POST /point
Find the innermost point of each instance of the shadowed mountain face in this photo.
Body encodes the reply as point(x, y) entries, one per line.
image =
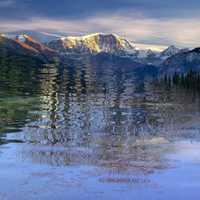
point(39, 48)
point(26, 49)
point(182, 62)
point(170, 51)
point(12, 52)
point(104, 60)
point(9, 46)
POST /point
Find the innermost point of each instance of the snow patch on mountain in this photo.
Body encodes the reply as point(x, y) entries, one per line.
point(92, 43)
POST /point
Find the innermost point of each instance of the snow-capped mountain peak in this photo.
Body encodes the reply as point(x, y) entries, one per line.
point(92, 43)
point(170, 51)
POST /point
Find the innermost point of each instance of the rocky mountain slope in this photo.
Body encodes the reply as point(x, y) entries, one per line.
point(170, 51)
point(111, 44)
point(93, 43)
point(13, 53)
point(9, 46)
point(23, 47)
point(38, 48)
point(104, 60)
point(182, 62)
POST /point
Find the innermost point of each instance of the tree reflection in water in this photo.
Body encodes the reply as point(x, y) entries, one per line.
point(97, 113)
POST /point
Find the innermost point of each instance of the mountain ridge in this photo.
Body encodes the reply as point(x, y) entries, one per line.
point(92, 43)
point(39, 48)
point(170, 60)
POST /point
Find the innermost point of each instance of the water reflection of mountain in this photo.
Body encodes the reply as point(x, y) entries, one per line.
point(88, 98)
point(109, 153)
point(91, 98)
point(96, 112)
point(102, 95)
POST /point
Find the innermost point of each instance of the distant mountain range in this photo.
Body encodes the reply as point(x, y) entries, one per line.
point(170, 60)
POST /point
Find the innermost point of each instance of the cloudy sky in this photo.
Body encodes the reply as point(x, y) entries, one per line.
point(157, 22)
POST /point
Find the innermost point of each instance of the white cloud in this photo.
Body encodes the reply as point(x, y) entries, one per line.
point(182, 32)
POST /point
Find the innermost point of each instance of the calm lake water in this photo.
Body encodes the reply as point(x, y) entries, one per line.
point(96, 130)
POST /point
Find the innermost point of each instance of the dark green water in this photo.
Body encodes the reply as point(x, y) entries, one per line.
point(95, 129)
